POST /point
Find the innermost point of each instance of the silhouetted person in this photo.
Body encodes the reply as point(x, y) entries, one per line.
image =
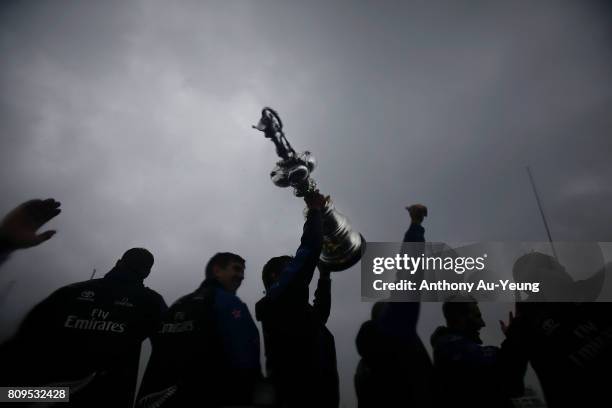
point(19, 227)
point(466, 373)
point(416, 232)
point(207, 350)
point(568, 344)
point(556, 284)
point(395, 368)
point(300, 350)
point(368, 380)
point(88, 335)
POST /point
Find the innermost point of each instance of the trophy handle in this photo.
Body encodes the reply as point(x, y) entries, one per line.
point(272, 126)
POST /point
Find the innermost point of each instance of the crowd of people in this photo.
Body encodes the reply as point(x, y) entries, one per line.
point(206, 346)
point(568, 344)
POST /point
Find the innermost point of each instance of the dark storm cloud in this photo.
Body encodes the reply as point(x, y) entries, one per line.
point(136, 115)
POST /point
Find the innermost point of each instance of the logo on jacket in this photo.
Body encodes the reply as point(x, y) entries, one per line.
point(96, 321)
point(124, 302)
point(236, 313)
point(180, 327)
point(179, 324)
point(87, 295)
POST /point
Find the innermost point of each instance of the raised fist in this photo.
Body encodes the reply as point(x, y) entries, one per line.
point(316, 200)
point(417, 213)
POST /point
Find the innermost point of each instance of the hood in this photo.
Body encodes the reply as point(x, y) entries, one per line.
point(121, 274)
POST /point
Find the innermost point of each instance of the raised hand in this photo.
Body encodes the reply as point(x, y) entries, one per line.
point(505, 326)
point(417, 213)
point(19, 229)
point(316, 200)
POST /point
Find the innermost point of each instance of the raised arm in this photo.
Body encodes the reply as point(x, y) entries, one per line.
point(414, 246)
point(416, 233)
point(513, 356)
point(299, 271)
point(322, 296)
point(19, 229)
point(399, 319)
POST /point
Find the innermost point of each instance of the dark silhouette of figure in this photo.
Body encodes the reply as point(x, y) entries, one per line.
point(300, 350)
point(88, 335)
point(395, 368)
point(371, 348)
point(416, 232)
point(207, 349)
point(466, 373)
point(569, 345)
point(19, 227)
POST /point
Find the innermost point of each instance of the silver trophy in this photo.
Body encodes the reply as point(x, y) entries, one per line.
point(342, 245)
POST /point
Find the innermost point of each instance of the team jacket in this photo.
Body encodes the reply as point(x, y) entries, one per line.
point(86, 336)
point(300, 350)
point(206, 352)
point(569, 346)
point(467, 374)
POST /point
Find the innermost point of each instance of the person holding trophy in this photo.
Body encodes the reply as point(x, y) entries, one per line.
point(300, 350)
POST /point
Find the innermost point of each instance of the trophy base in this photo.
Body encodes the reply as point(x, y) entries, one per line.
point(345, 262)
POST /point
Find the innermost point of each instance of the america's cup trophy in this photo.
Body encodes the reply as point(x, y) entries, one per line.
point(342, 245)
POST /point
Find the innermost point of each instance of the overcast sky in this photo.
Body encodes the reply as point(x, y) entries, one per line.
point(136, 116)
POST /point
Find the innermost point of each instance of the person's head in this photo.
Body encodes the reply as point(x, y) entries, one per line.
point(227, 269)
point(272, 270)
point(377, 310)
point(462, 314)
point(539, 267)
point(138, 261)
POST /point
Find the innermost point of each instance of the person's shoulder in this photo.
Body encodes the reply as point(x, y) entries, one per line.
point(366, 328)
point(154, 299)
point(187, 300)
point(443, 338)
point(75, 287)
point(153, 295)
point(224, 299)
point(104, 284)
point(84, 290)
